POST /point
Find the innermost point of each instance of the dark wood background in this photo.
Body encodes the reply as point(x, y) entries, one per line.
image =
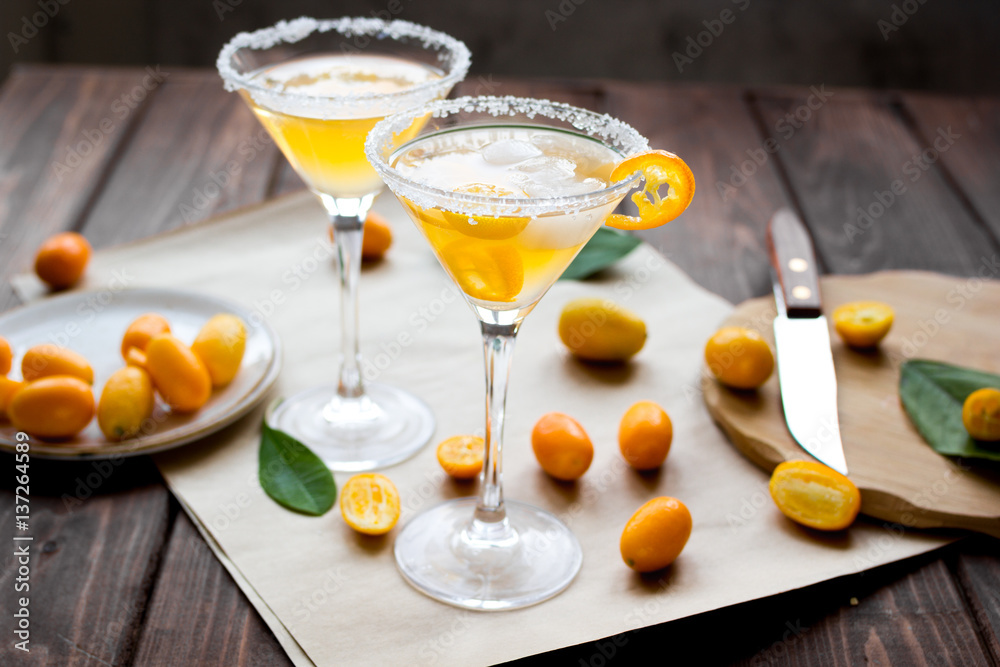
point(121, 577)
point(953, 46)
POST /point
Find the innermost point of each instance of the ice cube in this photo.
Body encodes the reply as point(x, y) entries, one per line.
point(509, 151)
point(548, 167)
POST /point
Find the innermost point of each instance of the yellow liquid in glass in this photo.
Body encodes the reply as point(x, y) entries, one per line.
point(505, 263)
point(329, 152)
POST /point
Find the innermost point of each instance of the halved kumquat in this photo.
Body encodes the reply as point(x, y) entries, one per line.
point(658, 168)
point(369, 503)
point(862, 323)
point(461, 456)
point(814, 495)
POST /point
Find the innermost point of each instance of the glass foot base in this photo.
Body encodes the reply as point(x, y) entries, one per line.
point(385, 426)
point(538, 559)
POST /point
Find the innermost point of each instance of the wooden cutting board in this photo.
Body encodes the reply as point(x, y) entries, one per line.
point(902, 480)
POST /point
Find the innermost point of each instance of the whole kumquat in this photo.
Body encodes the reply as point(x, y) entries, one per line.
point(644, 435)
point(981, 414)
point(8, 388)
point(62, 259)
point(178, 374)
point(739, 358)
point(601, 330)
point(48, 359)
point(656, 534)
point(57, 406)
point(6, 356)
point(142, 330)
point(562, 447)
point(220, 345)
point(126, 401)
point(375, 239)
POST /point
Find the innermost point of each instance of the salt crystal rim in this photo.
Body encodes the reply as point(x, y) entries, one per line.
point(617, 134)
point(454, 55)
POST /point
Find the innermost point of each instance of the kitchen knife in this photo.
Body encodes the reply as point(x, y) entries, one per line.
point(802, 340)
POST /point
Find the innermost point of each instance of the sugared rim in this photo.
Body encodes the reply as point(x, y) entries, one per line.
point(618, 135)
point(454, 56)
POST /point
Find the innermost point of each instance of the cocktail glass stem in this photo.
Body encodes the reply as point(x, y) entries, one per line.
point(347, 217)
point(490, 519)
point(348, 233)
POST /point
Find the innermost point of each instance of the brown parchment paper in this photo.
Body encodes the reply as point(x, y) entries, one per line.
point(334, 597)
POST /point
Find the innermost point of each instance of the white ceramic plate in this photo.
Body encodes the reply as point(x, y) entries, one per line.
point(92, 323)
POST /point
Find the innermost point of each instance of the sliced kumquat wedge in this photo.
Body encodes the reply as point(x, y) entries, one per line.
point(493, 272)
point(461, 456)
point(863, 323)
point(370, 503)
point(493, 228)
point(658, 168)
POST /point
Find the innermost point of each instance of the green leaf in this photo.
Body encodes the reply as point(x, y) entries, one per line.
point(606, 247)
point(932, 394)
point(293, 475)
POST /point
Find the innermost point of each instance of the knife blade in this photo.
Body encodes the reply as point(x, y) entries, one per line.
point(806, 374)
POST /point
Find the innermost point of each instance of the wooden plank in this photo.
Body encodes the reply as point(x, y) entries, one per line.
point(197, 615)
point(719, 240)
point(98, 530)
point(977, 568)
point(179, 168)
point(867, 196)
point(98, 527)
point(847, 152)
point(973, 170)
point(197, 153)
point(900, 614)
point(971, 163)
point(62, 128)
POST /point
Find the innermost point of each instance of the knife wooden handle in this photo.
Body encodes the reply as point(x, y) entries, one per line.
point(794, 261)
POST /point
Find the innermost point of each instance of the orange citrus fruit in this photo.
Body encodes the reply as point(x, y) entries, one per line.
point(739, 357)
point(461, 456)
point(57, 406)
point(178, 374)
point(493, 228)
point(644, 435)
point(6, 356)
point(658, 168)
point(656, 534)
point(601, 330)
point(814, 495)
point(62, 259)
point(126, 402)
point(135, 357)
point(981, 414)
point(48, 359)
point(493, 272)
point(862, 323)
point(8, 388)
point(562, 447)
point(220, 345)
point(141, 331)
point(370, 503)
point(375, 238)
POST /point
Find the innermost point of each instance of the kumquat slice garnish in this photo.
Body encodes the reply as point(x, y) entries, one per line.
point(658, 168)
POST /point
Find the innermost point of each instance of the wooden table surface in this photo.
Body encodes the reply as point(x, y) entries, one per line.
point(119, 574)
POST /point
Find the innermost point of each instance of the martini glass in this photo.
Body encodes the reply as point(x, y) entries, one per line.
point(507, 191)
point(319, 87)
